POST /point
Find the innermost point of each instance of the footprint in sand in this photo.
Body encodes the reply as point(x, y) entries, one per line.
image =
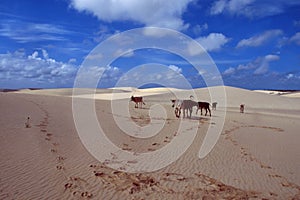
point(265, 166)
point(53, 150)
point(60, 167)
point(99, 174)
point(286, 184)
point(132, 161)
point(126, 147)
point(274, 175)
point(61, 158)
point(68, 186)
point(55, 144)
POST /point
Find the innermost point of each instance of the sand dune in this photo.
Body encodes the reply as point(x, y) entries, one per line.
point(256, 157)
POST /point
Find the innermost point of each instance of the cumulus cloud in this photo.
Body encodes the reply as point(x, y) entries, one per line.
point(257, 75)
point(259, 66)
point(264, 63)
point(168, 76)
point(198, 29)
point(165, 13)
point(251, 8)
point(39, 70)
point(229, 71)
point(213, 42)
point(296, 38)
point(258, 40)
point(218, 7)
point(42, 71)
point(210, 43)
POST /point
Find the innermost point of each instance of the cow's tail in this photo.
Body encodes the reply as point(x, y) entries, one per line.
point(143, 102)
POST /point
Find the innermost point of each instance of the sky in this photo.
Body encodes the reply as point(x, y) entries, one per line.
point(255, 44)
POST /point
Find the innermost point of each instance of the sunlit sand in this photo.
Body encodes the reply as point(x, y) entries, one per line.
point(257, 155)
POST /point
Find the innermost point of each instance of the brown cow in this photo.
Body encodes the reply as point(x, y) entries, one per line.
point(204, 105)
point(138, 101)
point(242, 108)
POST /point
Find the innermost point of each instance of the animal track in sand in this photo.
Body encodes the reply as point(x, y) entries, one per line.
point(53, 150)
point(264, 127)
point(219, 190)
point(173, 177)
point(126, 148)
point(61, 158)
point(75, 185)
point(60, 167)
point(248, 156)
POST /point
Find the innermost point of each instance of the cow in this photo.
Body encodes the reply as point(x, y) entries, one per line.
point(185, 105)
point(204, 105)
point(242, 108)
point(138, 101)
point(214, 106)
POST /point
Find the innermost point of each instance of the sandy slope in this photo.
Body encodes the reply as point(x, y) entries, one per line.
point(257, 155)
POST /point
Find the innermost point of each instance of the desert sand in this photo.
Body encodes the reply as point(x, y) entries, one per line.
point(256, 157)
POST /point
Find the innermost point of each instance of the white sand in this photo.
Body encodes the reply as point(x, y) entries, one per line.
point(257, 155)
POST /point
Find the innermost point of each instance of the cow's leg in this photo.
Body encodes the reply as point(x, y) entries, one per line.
point(201, 110)
point(209, 112)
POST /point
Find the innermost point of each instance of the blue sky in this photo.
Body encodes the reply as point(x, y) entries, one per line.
point(254, 43)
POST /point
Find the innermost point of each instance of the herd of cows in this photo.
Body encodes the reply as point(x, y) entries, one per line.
point(181, 105)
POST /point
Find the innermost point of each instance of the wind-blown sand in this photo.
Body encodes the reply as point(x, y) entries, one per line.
point(256, 157)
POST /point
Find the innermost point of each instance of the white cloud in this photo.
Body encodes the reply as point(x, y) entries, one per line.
point(72, 60)
point(246, 67)
point(41, 72)
point(122, 53)
point(165, 13)
point(258, 66)
point(271, 57)
point(296, 38)
point(213, 42)
point(251, 8)
point(258, 40)
point(94, 56)
point(19, 70)
point(218, 7)
point(263, 64)
point(198, 29)
point(24, 32)
point(229, 71)
point(175, 68)
point(289, 76)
